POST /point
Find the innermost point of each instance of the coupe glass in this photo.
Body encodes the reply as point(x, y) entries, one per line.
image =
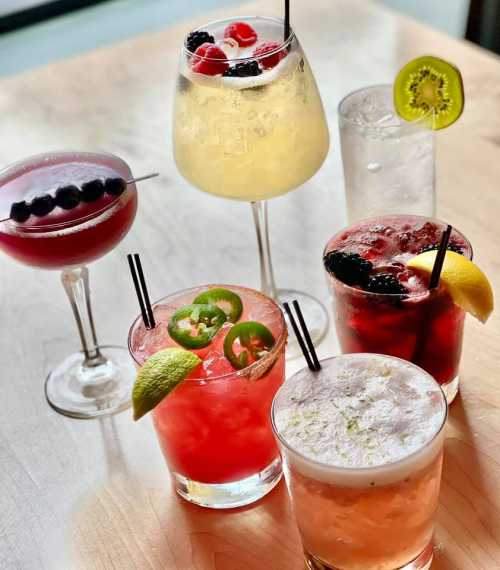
point(98, 380)
point(253, 138)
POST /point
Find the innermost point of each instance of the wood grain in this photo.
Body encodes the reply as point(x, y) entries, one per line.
point(77, 495)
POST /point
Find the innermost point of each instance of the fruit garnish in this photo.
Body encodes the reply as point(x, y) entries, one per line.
point(115, 186)
point(159, 375)
point(385, 283)
point(211, 65)
point(451, 247)
point(350, 268)
point(242, 32)
point(271, 60)
point(42, 205)
point(254, 336)
point(20, 211)
point(224, 299)
point(195, 39)
point(247, 69)
point(467, 285)
point(429, 86)
point(92, 190)
point(67, 197)
point(194, 326)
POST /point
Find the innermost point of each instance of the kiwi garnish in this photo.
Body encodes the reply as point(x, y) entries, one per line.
point(429, 87)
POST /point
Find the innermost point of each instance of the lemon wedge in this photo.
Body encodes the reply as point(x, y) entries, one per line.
point(467, 285)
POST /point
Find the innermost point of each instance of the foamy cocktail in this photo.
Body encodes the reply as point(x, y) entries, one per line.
point(362, 443)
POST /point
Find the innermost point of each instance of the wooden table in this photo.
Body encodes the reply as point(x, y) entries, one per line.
point(95, 494)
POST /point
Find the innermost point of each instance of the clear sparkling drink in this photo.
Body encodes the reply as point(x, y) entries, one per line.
point(250, 138)
point(362, 441)
point(388, 162)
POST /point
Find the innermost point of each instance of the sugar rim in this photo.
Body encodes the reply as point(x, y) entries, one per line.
point(405, 297)
point(284, 44)
point(377, 468)
point(280, 342)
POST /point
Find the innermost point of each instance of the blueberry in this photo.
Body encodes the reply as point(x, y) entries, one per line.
point(115, 186)
point(92, 190)
point(42, 205)
point(68, 197)
point(20, 211)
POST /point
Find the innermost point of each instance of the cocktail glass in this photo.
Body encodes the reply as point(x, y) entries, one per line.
point(96, 381)
point(388, 162)
point(214, 428)
point(362, 443)
point(422, 327)
point(253, 138)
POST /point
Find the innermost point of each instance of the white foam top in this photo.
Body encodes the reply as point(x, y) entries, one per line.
point(362, 419)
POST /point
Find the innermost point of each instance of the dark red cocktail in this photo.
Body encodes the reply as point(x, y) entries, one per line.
point(385, 307)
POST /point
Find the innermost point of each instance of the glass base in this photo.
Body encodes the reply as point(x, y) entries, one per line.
point(229, 495)
point(422, 562)
point(315, 316)
point(75, 390)
point(450, 389)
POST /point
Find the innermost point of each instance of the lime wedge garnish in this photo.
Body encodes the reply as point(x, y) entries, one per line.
point(429, 87)
point(159, 375)
point(467, 285)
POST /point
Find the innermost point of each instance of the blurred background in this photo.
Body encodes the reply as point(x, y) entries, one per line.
point(49, 24)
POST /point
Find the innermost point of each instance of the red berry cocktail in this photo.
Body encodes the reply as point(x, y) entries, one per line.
point(383, 306)
point(214, 428)
point(63, 210)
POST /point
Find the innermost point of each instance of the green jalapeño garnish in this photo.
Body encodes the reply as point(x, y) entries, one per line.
point(194, 326)
point(226, 300)
point(255, 337)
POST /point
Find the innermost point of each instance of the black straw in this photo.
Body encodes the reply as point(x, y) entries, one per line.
point(438, 262)
point(141, 290)
point(287, 20)
point(311, 359)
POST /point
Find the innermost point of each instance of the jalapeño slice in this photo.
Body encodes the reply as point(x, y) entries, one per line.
point(256, 337)
point(226, 300)
point(194, 326)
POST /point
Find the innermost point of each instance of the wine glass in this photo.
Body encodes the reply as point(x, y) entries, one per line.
point(87, 222)
point(249, 124)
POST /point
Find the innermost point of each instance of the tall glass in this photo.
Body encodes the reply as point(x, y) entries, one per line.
point(253, 138)
point(388, 162)
point(423, 327)
point(96, 381)
point(214, 428)
point(362, 445)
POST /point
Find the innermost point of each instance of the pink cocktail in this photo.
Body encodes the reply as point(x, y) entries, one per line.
point(214, 428)
point(425, 328)
point(79, 208)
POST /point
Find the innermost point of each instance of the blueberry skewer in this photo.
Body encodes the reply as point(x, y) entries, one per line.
point(68, 197)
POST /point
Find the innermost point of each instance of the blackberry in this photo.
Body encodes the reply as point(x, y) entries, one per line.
point(247, 69)
point(20, 212)
point(42, 205)
point(195, 39)
point(115, 186)
point(350, 268)
point(67, 197)
point(385, 283)
point(92, 190)
point(451, 247)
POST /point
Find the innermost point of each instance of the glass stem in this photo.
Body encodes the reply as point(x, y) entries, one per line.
point(267, 284)
point(76, 284)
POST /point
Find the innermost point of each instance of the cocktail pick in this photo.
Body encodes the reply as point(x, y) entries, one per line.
point(141, 290)
point(308, 351)
point(127, 182)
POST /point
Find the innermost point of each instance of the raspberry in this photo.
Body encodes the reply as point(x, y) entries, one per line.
point(385, 283)
point(243, 33)
point(271, 60)
point(196, 39)
point(211, 65)
point(350, 268)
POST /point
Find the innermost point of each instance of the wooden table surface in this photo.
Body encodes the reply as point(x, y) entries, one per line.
point(95, 494)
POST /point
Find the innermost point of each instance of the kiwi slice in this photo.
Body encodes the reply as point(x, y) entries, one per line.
point(429, 86)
